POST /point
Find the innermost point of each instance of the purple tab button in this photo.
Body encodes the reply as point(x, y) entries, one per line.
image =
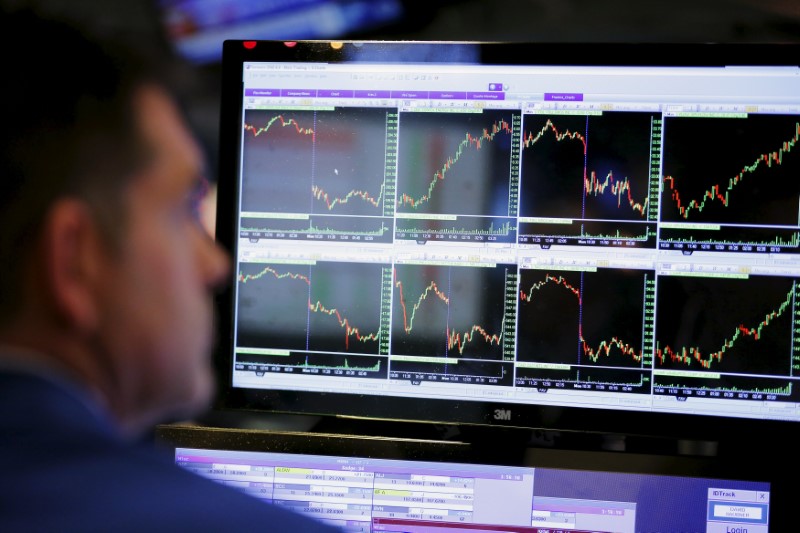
point(409, 94)
point(299, 92)
point(373, 94)
point(334, 94)
point(262, 92)
point(486, 96)
point(564, 97)
point(448, 95)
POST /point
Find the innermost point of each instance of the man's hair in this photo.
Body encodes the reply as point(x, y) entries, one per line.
point(67, 129)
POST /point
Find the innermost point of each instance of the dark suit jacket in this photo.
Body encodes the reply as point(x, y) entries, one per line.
point(63, 468)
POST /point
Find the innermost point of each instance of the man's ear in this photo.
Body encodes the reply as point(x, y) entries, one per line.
point(75, 253)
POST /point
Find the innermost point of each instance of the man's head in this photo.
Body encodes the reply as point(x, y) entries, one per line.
point(103, 267)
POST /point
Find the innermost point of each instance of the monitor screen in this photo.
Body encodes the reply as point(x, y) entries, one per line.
point(528, 235)
point(362, 493)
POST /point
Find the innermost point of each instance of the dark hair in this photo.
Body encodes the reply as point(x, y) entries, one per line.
point(67, 129)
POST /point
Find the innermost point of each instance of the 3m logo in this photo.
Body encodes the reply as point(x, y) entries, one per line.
point(502, 414)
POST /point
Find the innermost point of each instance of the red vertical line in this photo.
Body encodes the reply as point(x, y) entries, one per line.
point(313, 161)
point(447, 328)
point(308, 312)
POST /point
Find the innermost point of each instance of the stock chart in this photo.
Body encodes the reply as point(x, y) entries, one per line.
point(730, 184)
point(591, 174)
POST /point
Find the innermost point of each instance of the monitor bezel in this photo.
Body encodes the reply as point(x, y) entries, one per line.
point(437, 411)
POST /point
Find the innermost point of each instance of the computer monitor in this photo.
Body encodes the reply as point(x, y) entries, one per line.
point(587, 237)
point(363, 485)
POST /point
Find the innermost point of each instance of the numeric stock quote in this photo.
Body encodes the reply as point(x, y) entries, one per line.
point(546, 257)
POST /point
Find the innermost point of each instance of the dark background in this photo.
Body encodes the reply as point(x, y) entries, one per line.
point(141, 22)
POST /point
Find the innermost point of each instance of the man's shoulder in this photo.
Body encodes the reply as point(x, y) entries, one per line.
point(131, 489)
point(63, 472)
point(46, 404)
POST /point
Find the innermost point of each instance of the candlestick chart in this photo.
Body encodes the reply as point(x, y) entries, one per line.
point(580, 323)
point(712, 325)
point(740, 172)
point(453, 321)
point(312, 315)
point(597, 168)
point(458, 163)
point(592, 166)
point(323, 162)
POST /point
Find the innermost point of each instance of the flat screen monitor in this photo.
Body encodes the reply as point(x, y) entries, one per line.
point(589, 237)
point(379, 485)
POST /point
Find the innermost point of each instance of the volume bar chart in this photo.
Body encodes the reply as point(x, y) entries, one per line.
point(727, 238)
point(458, 229)
point(317, 228)
point(595, 233)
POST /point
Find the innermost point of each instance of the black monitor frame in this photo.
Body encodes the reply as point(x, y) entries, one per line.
point(759, 467)
point(485, 412)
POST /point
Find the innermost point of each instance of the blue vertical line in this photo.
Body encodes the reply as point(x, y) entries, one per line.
point(580, 319)
point(308, 312)
point(313, 160)
point(447, 322)
point(585, 170)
